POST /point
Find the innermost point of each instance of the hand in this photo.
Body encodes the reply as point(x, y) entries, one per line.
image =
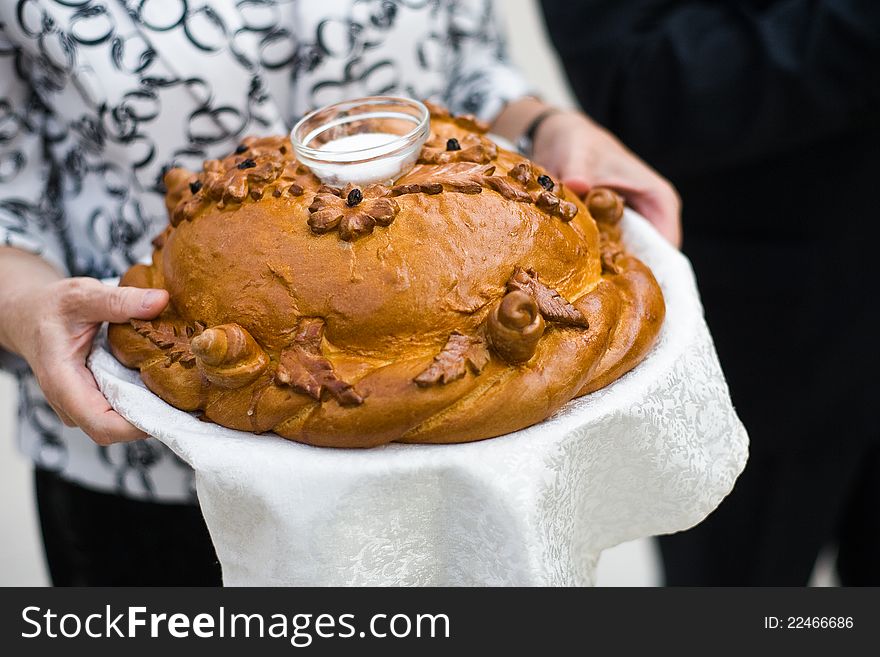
point(583, 155)
point(56, 324)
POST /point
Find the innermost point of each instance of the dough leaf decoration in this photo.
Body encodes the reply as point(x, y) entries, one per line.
point(441, 169)
point(558, 207)
point(353, 211)
point(522, 173)
point(534, 187)
point(552, 305)
point(460, 177)
point(507, 189)
point(469, 148)
point(460, 353)
point(304, 368)
point(249, 176)
point(166, 336)
point(258, 165)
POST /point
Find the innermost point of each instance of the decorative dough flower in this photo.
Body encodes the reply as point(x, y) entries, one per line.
point(351, 210)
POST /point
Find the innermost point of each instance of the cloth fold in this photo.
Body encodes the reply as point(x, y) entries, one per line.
point(655, 452)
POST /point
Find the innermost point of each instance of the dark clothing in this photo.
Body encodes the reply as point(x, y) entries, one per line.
point(101, 539)
point(765, 114)
point(783, 511)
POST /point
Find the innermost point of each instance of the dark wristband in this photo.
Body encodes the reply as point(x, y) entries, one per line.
point(526, 143)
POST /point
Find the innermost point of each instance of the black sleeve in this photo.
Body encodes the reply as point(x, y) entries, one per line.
point(697, 84)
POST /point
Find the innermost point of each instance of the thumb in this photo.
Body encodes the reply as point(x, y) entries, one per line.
point(102, 303)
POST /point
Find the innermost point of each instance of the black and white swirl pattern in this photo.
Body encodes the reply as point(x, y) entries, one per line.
point(99, 97)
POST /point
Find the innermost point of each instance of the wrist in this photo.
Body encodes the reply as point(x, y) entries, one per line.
point(24, 278)
point(526, 143)
point(561, 122)
point(516, 116)
point(15, 322)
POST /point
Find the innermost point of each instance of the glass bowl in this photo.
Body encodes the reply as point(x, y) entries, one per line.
point(375, 139)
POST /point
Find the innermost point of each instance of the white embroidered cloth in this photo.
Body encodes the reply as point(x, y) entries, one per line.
point(653, 453)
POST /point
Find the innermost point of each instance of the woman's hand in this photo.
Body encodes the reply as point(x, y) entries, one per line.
point(584, 155)
point(52, 326)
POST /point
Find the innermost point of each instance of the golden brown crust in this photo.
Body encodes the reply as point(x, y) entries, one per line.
point(473, 297)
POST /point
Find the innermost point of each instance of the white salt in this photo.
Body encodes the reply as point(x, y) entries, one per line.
point(347, 153)
point(359, 142)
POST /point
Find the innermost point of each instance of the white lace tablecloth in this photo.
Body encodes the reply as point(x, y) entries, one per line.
point(653, 453)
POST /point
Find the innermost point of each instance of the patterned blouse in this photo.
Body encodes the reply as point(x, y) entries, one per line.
point(99, 97)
